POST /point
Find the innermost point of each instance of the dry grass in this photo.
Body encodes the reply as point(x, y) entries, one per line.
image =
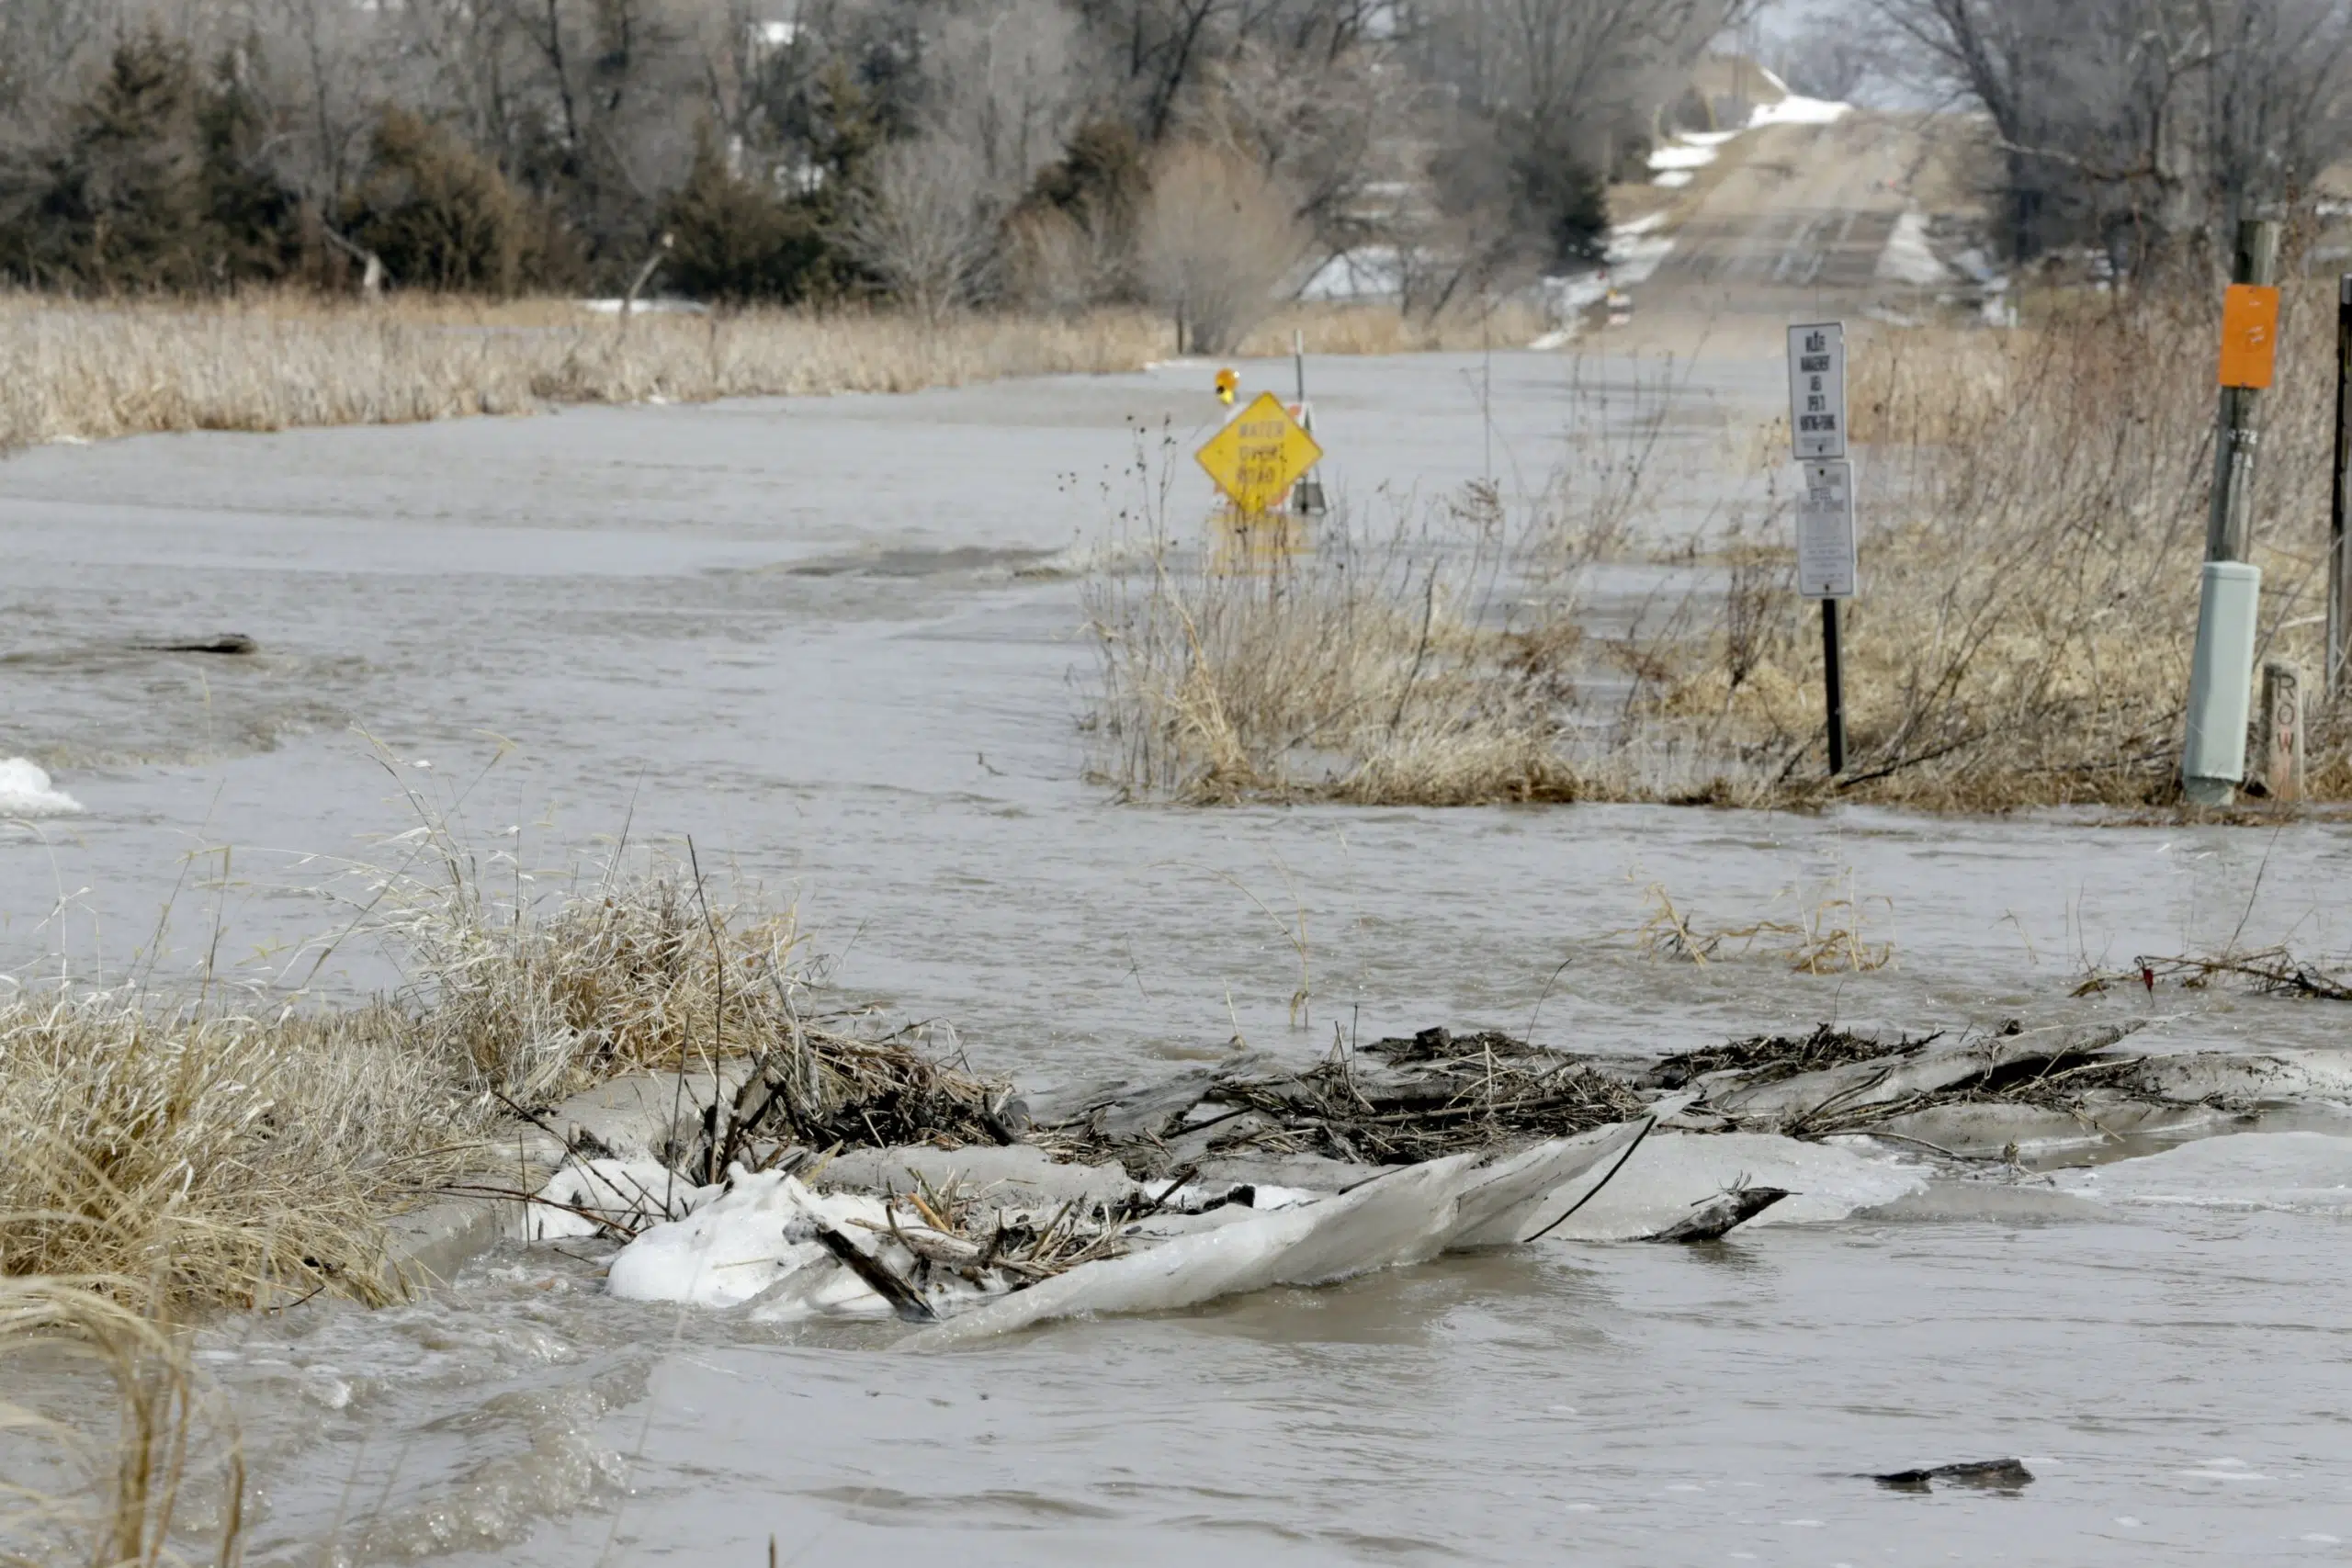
point(1432, 658)
point(2033, 520)
point(275, 361)
point(2034, 524)
point(248, 1157)
point(1371, 668)
point(115, 1493)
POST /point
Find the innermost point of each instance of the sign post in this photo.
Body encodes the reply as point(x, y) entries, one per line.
point(1254, 458)
point(2339, 535)
point(1826, 547)
point(2220, 672)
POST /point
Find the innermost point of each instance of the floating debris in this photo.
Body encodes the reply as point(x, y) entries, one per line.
point(1397, 1101)
point(1712, 1218)
point(1980, 1475)
point(2273, 970)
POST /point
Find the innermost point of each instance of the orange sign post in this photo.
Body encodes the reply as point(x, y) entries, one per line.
point(2220, 675)
point(2249, 335)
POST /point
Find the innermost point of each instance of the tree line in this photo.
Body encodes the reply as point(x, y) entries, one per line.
point(2138, 131)
point(1060, 154)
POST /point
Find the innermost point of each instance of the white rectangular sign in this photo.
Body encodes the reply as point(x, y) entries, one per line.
point(1825, 567)
point(1817, 389)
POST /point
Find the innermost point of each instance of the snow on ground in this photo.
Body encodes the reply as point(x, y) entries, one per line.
point(1373, 272)
point(26, 790)
point(1795, 110)
point(1907, 259)
point(1681, 155)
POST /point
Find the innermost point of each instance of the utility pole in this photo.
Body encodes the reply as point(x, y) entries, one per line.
point(2220, 680)
point(2339, 541)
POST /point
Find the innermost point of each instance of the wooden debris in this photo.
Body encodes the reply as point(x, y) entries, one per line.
point(1709, 1218)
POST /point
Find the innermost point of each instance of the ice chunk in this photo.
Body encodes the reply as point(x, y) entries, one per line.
point(2291, 1172)
point(624, 1193)
point(755, 1236)
point(1675, 1171)
point(1402, 1216)
point(1907, 258)
point(25, 791)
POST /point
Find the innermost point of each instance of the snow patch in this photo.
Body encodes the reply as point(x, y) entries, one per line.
point(1795, 110)
point(1683, 157)
point(1373, 272)
point(26, 790)
point(1907, 258)
point(1673, 179)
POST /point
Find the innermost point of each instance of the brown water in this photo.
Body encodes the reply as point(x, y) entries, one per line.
point(794, 630)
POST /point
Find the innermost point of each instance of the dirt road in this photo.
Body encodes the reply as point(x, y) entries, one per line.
point(1796, 219)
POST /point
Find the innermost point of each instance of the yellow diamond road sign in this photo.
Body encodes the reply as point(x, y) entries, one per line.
point(1259, 454)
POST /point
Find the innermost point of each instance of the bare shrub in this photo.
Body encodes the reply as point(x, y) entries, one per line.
point(1218, 239)
point(1062, 264)
point(923, 224)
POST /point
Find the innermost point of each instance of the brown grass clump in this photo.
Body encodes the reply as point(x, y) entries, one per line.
point(1369, 667)
point(234, 1157)
point(249, 1156)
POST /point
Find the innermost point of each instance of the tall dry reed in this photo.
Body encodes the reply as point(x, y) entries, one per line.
point(94, 370)
point(135, 1485)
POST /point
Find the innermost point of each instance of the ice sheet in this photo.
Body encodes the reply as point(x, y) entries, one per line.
point(1675, 1171)
point(1405, 1217)
point(2307, 1173)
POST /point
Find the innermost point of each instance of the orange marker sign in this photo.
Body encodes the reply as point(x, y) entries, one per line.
point(2249, 335)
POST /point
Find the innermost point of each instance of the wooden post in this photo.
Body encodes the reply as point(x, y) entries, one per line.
point(1834, 676)
point(2229, 527)
point(2339, 542)
point(2282, 731)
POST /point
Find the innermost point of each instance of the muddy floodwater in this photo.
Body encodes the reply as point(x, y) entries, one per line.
point(841, 644)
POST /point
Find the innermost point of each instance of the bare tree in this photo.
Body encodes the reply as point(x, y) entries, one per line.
point(922, 224)
point(2137, 124)
point(1219, 236)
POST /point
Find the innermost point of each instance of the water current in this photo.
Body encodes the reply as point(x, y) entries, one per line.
point(836, 641)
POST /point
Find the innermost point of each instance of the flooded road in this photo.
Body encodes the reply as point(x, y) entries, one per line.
point(838, 643)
